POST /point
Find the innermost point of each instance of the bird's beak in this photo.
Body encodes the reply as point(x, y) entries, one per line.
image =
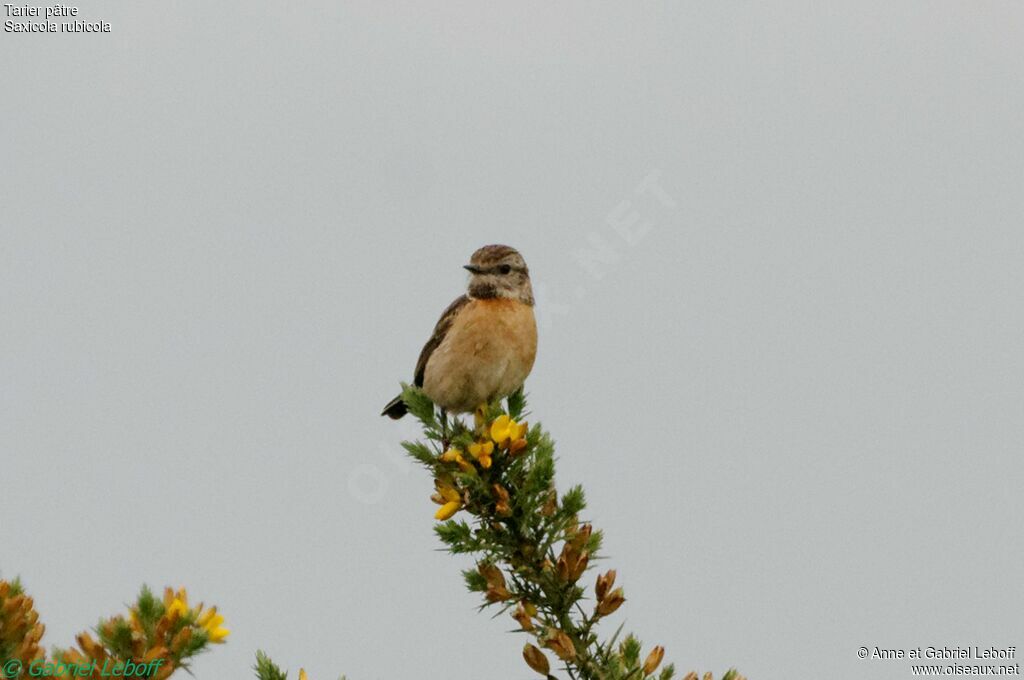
point(472, 268)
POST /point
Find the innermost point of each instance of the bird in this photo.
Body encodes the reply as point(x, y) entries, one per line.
point(484, 345)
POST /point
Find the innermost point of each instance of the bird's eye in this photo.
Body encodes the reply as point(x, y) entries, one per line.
point(504, 269)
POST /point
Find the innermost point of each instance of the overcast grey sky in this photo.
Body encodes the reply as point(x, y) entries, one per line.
point(778, 252)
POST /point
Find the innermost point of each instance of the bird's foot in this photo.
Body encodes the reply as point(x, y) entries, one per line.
point(445, 439)
point(480, 417)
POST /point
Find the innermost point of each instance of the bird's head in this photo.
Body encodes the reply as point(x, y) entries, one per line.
point(499, 271)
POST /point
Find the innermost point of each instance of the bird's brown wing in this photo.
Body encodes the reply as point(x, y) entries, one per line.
point(444, 324)
point(396, 408)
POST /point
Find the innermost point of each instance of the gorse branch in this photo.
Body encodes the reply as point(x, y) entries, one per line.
point(495, 485)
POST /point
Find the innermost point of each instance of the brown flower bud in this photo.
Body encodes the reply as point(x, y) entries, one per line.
point(654, 659)
point(491, 574)
point(581, 566)
point(611, 602)
point(92, 649)
point(536, 660)
point(523, 617)
point(25, 605)
point(138, 643)
point(37, 633)
point(691, 676)
point(551, 504)
point(561, 644)
point(709, 676)
point(162, 627)
point(581, 536)
point(562, 566)
point(501, 506)
point(28, 650)
point(571, 563)
point(498, 594)
point(604, 583)
point(181, 639)
point(496, 589)
point(13, 605)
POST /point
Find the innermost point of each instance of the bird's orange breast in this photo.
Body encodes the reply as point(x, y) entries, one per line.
point(487, 353)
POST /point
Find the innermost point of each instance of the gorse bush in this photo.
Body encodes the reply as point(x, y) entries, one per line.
point(494, 486)
point(158, 637)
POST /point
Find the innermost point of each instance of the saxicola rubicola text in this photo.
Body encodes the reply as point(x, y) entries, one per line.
point(484, 345)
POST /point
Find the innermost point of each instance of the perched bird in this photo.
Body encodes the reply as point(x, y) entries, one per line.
point(484, 345)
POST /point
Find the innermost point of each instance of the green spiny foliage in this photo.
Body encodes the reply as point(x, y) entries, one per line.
point(149, 609)
point(267, 669)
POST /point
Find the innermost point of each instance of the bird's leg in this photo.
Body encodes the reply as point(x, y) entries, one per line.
point(444, 430)
point(480, 418)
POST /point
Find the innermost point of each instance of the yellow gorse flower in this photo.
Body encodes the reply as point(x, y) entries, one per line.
point(448, 498)
point(482, 451)
point(502, 433)
point(455, 456)
point(508, 434)
point(176, 604)
point(211, 621)
point(447, 510)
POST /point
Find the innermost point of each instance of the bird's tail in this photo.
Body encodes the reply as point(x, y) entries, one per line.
point(395, 409)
